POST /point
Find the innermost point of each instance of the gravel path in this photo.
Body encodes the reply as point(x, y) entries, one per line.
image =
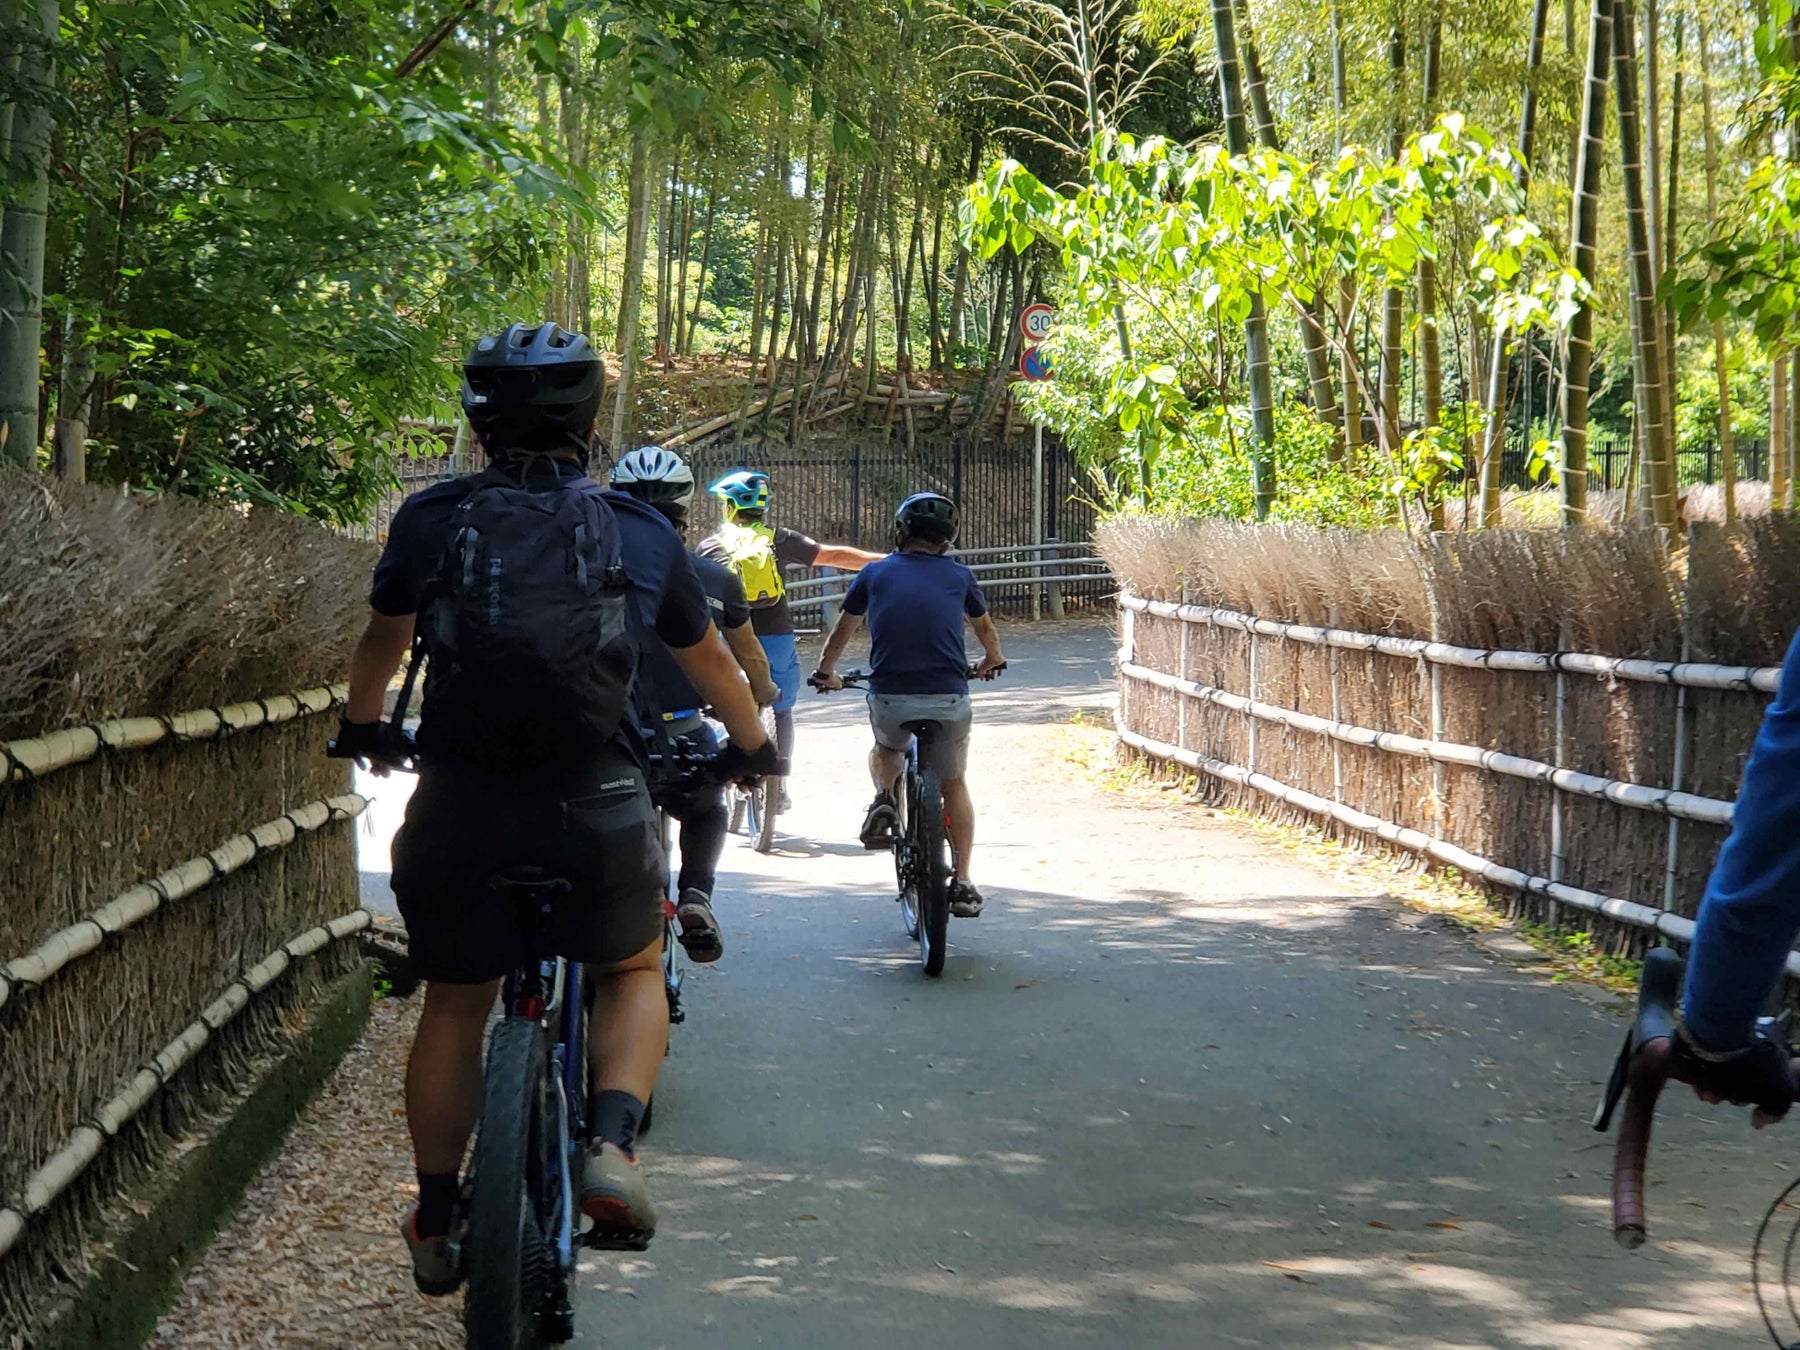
point(1177, 1087)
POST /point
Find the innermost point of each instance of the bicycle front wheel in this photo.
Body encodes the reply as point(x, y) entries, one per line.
point(509, 1253)
point(932, 870)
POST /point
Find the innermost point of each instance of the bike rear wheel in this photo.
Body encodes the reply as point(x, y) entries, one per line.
point(765, 797)
point(932, 868)
point(510, 1251)
point(906, 851)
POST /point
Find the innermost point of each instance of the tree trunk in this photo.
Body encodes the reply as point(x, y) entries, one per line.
point(1353, 404)
point(631, 288)
point(1674, 200)
point(957, 328)
point(1584, 231)
point(931, 273)
point(706, 254)
point(1256, 326)
point(759, 280)
point(679, 272)
point(73, 401)
point(828, 212)
point(1392, 312)
point(1721, 374)
point(22, 237)
point(1646, 327)
point(668, 212)
point(1431, 369)
point(1498, 395)
point(1778, 433)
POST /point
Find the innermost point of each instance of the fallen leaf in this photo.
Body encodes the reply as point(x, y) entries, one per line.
point(1444, 1223)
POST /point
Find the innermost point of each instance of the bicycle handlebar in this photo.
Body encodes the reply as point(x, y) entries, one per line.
point(1643, 1069)
point(856, 679)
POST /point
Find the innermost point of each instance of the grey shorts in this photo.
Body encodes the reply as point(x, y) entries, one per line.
point(889, 714)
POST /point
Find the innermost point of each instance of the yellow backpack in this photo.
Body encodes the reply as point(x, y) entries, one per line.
point(750, 552)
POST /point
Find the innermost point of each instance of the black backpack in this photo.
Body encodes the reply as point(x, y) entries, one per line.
point(528, 626)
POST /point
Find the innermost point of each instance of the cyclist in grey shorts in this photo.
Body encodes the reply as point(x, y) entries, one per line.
point(915, 601)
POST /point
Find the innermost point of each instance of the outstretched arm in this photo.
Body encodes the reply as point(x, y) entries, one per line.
point(989, 637)
point(1751, 913)
point(844, 557)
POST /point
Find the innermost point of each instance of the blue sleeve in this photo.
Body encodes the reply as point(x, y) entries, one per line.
point(856, 599)
point(1751, 912)
point(974, 602)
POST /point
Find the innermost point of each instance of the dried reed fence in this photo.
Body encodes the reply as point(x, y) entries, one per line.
point(177, 868)
point(1564, 716)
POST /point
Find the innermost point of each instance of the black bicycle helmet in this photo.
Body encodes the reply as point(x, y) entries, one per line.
point(533, 387)
point(928, 517)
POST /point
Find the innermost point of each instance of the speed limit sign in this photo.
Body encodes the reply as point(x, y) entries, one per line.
point(1034, 322)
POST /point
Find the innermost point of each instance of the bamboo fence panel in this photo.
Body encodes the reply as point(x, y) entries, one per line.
point(31, 759)
point(141, 901)
point(85, 1144)
point(1346, 712)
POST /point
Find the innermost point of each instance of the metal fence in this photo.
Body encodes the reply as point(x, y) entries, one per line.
point(845, 491)
point(1609, 464)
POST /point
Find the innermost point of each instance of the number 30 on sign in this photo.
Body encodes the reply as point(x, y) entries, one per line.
point(1034, 322)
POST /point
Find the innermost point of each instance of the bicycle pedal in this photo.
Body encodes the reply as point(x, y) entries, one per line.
point(614, 1240)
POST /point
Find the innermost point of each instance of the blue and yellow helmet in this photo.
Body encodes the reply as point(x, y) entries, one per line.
point(745, 490)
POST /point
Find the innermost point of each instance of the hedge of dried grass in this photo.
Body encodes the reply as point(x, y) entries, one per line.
point(114, 605)
point(1619, 592)
point(117, 604)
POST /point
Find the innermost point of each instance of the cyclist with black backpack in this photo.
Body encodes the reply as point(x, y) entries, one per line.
point(671, 708)
point(757, 551)
point(532, 592)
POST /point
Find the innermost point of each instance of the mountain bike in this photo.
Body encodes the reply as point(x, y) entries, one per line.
point(1644, 1067)
point(922, 865)
point(753, 809)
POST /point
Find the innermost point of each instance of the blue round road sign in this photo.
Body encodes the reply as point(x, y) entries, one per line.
point(1034, 364)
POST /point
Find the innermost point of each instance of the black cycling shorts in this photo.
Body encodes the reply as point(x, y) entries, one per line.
point(592, 824)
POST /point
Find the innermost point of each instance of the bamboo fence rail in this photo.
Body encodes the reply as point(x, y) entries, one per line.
point(23, 760)
point(87, 1141)
point(144, 899)
point(1382, 688)
point(1687, 674)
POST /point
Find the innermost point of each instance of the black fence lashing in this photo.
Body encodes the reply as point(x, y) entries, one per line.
point(846, 491)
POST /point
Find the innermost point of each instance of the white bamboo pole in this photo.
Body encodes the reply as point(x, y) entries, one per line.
point(1181, 704)
point(1337, 715)
point(1672, 926)
point(141, 901)
point(1662, 801)
point(40, 755)
point(1558, 846)
point(1694, 674)
point(87, 1140)
point(1251, 722)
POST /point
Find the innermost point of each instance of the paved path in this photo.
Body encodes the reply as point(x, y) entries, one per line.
point(1175, 1088)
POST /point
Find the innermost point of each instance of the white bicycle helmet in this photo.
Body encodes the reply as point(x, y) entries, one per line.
point(656, 476)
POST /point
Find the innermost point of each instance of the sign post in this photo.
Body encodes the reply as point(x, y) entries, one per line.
point(1034, 327)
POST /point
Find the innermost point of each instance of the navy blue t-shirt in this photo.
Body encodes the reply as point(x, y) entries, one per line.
point(670, 601)
point(915, 604)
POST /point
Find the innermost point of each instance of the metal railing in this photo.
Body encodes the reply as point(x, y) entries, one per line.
point(1043, 569)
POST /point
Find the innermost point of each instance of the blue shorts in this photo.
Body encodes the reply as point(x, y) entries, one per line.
point(784, 667)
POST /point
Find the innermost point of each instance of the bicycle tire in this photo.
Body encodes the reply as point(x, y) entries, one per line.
point(906, 850)
point(934, 875)
point(740, 808)
point(508, 1260)
point(768, 798)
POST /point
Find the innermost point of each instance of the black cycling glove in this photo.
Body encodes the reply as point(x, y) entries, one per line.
point(737, 765)
point(371, 743)
point(1758, 1075)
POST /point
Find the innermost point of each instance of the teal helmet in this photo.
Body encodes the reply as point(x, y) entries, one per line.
point(745, 490)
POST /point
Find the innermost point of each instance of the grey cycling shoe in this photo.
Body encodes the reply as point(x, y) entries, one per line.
point(700, 936)
point(965, 900)
point(613, 1195)
point(433, 1270)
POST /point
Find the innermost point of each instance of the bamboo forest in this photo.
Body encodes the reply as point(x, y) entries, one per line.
point(1437, 265)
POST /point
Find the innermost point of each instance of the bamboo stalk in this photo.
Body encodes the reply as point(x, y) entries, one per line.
point(139, 902)
point(59, 1171)
point(40, 755)
point(1693, 674)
